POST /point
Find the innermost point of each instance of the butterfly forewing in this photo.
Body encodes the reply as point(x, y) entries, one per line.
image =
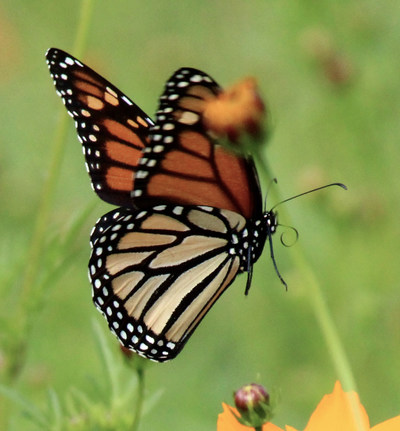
point(133, 162)
point(184, 164)
point(112, 129)
point(156, 273)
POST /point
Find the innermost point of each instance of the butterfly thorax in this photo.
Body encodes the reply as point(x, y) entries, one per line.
point(252, 238)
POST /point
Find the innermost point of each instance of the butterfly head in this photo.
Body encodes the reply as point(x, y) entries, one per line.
point(259, 230)
point(270, 221)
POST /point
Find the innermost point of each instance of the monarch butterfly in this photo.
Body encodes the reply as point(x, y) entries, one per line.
point(190, 217)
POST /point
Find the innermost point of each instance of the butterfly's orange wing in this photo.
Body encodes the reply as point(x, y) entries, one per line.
point(112, 129)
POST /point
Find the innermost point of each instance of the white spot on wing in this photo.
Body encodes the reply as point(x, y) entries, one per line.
point(126, 100)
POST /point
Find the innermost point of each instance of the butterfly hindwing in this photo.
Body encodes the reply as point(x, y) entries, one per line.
point(112, 129)
point(156, 273)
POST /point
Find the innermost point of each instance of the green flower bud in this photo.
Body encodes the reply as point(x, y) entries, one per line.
point(253, 403)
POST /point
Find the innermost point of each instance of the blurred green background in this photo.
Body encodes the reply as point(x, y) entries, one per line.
point(329, 71)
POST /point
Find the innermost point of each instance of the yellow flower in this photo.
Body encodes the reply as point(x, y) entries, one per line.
point(335, 412)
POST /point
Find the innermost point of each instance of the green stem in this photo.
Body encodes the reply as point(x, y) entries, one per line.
point(318, 304)
point(328, 329)
point(140, 394)
point(24, 319)
point(42, 217)
point(43, 212)
point(85, 17)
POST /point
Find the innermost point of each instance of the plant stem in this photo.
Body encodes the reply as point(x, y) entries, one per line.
point(24, 320)
point(318, 304)
point(140, 369)
point(85, 17)
point(42, 217)
point(44, 210)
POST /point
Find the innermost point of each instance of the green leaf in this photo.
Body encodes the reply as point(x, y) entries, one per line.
point(28, 409)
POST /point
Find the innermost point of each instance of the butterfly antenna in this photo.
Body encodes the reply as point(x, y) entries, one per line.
point(309, 191)
point(273, 181)
point(296, 232)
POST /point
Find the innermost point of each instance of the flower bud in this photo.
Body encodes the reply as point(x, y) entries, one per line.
point(253, 403)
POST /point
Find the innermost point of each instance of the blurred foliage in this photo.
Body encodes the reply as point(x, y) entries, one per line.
point(104, 405)
point(329, 73)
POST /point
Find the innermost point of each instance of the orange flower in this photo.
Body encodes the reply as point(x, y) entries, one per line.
point(336, 411)
point(235, 111)
point(228, 422)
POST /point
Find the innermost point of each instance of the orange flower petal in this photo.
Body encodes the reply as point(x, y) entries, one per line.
point(271, 427)
point(336, 412)
point(239, 109)
point(389, 425)
point(228, 422)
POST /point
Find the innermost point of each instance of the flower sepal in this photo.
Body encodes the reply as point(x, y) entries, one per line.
point(254, 418)
point(253, 404)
